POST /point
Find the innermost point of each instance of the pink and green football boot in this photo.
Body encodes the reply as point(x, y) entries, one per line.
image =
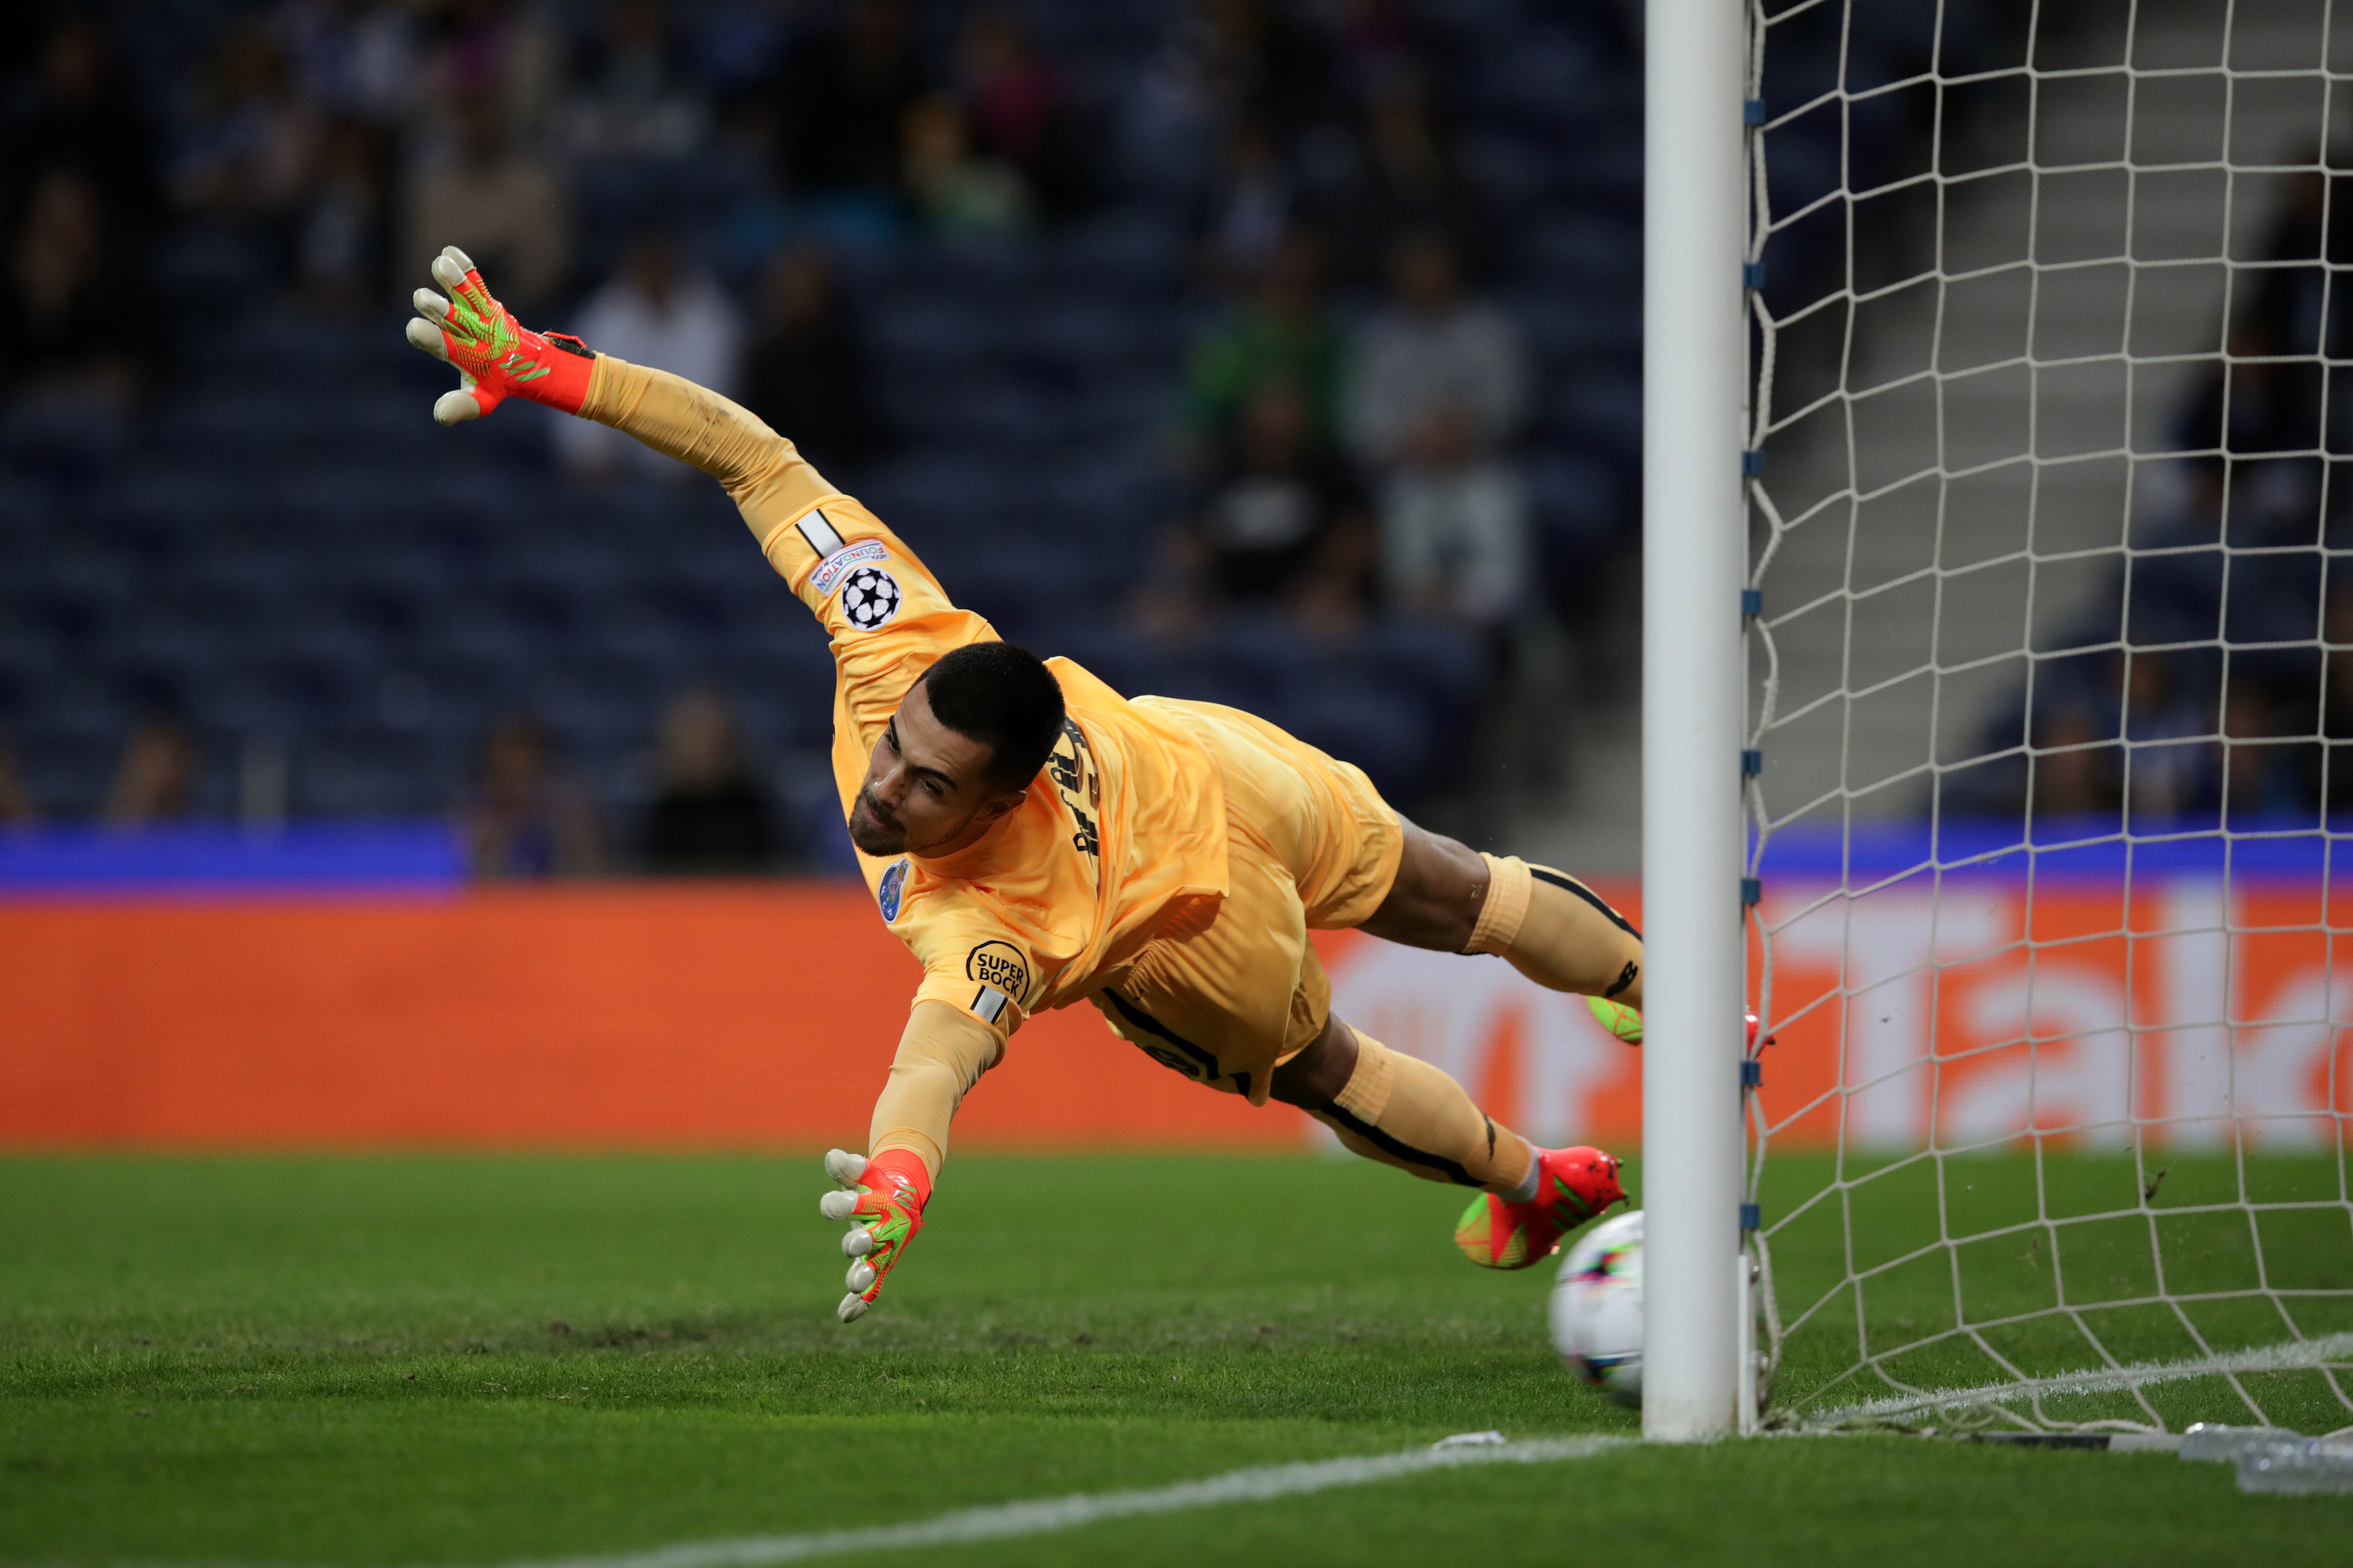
point(1573, 1185)
point(1627, 1024)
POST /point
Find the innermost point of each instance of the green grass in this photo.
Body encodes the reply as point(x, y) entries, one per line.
point(442, 1360)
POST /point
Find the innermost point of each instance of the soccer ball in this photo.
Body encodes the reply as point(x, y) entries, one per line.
point(1597, 1309)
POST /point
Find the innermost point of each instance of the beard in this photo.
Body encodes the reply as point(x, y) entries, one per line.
point(874, 832)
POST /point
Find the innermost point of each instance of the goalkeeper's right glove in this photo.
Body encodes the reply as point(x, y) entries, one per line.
point(885, 1196)
point(497, 356)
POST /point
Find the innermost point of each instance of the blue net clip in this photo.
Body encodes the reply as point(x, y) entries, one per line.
point(1752, 1216)
point(1752, 1073)
point(1752, 762)
point(1752, 891)
point(1752, 600)
point(1752, 111)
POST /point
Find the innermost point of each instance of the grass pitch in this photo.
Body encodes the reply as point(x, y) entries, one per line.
point(450, 1360)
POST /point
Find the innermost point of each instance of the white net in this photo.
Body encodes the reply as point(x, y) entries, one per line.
point(2052, 671)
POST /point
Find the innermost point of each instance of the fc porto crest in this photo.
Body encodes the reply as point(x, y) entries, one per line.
point(894, 885)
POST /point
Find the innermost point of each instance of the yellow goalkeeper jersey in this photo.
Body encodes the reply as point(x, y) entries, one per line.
point(1128, 843)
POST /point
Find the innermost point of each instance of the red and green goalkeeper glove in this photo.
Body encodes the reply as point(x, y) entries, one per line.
point(497, 356)
point(883, 1197)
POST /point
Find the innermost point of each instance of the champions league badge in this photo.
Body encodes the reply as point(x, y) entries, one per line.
point(869, 599)
point(894, 883)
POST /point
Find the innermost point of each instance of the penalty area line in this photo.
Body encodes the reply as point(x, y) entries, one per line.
point(2293, 1356)
point(1042, 1516)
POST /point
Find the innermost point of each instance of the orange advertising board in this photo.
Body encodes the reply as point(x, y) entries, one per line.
point(697, 1017)
point(599, 1016)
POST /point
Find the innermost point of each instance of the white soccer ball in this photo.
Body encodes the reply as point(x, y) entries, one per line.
point(1597, 1309)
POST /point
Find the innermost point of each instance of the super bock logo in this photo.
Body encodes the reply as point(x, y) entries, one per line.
point(998, 963)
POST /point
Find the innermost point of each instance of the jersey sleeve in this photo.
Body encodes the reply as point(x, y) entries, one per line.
point(985, 973)
point(888, 617)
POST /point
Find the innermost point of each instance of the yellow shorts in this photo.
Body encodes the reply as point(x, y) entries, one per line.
point(1310, 845)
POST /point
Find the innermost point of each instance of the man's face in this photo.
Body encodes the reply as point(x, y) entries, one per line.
point(926, 789)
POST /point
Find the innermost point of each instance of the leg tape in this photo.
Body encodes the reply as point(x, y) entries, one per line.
point(1509, 884)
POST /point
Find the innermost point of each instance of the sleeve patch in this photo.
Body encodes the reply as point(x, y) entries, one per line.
point(819, 535)
point(870, 599)
point(842, 561)
point(990, 1003)
point(998, 963)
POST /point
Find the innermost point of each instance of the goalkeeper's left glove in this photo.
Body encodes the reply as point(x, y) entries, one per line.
point(497, 356)
point(885, 1196)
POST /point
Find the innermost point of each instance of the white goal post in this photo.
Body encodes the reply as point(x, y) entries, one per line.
point(1695, 566)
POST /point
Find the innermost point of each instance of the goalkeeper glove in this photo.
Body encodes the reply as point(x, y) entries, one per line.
point(497, 356)
point(883, 1197)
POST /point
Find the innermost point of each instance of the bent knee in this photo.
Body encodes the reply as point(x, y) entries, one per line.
point(1434, 903)
point(1314, 1078)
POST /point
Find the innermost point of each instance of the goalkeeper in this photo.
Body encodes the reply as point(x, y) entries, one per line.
point(1038, 840)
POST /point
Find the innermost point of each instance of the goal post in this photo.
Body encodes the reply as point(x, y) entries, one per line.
point(1694, 569)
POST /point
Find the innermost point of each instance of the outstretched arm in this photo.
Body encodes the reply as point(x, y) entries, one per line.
point(941, 1056)
point(857, 576)
point(497, 357)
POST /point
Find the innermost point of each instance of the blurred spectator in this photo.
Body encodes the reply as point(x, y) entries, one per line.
point(342, 247)
point(1435, 360)
point(81, 116)
point(955, 194)
point(737, 47)
point(659, 312)
point(16, 809)
point(1454, 536)
point(712, 816)
point(1021, 113)
point(76, 325)
point(2258, 774)
point(1284, 334)
point(843, 97)
point(2073, 771)
point(2167, 734)
point(501, 207)
point(807, 371)
point(247, 158)
point(498, 54)
point(1400, 183)
point(526, 818)
point(1331, 597)
point(1265, 527)
point(156, 781)
point(1248, 210)
point(1440, 386)
point(354, 59)
point(633, 98)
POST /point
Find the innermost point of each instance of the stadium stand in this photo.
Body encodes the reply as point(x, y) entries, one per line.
point(250, 525)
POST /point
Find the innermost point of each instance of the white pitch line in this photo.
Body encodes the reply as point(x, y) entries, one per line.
point(2292, 1356)
point(1005, 1520)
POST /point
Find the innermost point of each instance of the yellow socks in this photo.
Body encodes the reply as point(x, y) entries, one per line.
point(1403, 1111)
point(1556, 930)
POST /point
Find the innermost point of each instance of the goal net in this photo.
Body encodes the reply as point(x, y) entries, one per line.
point(2051, 687)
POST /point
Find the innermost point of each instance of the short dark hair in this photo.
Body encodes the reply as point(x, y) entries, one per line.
point(1003, 697)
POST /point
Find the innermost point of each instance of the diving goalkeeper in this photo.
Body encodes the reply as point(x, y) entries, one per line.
point(1039, 840)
